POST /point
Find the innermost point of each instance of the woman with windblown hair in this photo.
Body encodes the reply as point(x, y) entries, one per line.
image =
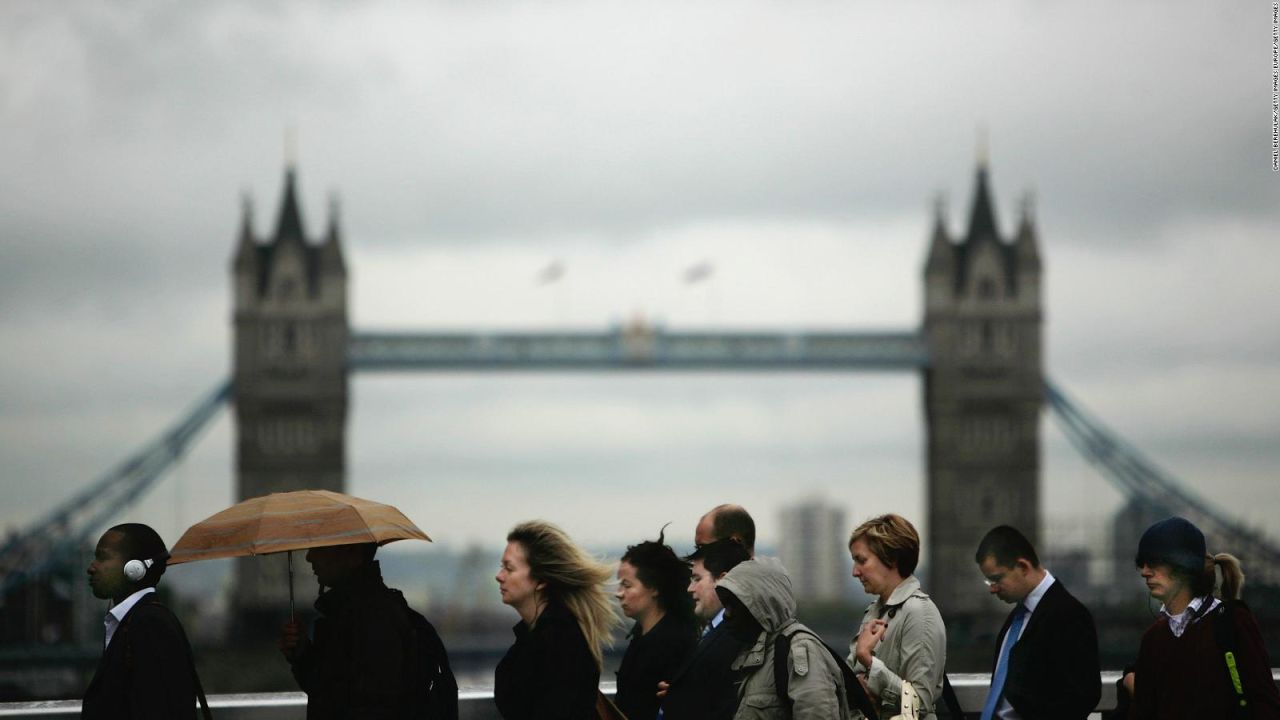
point(1182, 671)
point(653, 585)
point(566, 616)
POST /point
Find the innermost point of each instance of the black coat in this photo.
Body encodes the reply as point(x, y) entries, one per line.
point(549, 673)
point(1053, 667)
point(361, 659)
point(704, 688)
point(653, 656)
point(146, 671)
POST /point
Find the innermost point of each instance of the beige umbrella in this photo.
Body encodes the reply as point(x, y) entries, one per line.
point(283, 522)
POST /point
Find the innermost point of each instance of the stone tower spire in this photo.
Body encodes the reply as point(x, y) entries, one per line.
point(983, 397)
point(289, 221)
point(940, 266)
point(290, 379)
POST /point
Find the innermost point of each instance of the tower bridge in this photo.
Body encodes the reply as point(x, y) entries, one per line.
point(978, 349)
point(638, 347)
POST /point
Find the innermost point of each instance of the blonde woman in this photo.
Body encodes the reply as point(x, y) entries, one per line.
point(566, 616)
point(902, 637)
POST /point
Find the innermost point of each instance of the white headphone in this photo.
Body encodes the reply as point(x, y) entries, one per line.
point(135, 570)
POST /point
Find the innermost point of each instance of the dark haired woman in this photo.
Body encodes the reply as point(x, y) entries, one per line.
point(1181, 671)
point(553, 669)
point(652, 588)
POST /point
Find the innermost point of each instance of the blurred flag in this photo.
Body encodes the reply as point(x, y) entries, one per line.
point(698, 273)
point(551, 273)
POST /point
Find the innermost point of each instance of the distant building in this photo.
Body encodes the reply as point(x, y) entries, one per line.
point(813, 548)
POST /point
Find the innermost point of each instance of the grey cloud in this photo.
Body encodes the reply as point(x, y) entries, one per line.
point(131, 130)
point(458, 124)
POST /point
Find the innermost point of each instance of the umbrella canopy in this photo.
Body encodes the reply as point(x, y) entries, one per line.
point(292, 521)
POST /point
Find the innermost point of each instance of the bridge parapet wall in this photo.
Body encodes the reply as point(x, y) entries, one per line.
point(475, 703)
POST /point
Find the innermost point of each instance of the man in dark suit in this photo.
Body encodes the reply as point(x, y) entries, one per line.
point(146, 670)
point(704, 688)
point(1046, 663)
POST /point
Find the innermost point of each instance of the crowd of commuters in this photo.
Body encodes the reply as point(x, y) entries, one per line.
point(713, 636)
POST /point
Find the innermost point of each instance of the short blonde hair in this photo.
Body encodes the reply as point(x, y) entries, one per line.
point(892, 539)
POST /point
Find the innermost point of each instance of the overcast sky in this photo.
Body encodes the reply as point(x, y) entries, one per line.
point(797, 147)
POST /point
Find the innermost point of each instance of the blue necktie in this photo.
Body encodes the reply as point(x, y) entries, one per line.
point(1002, 665)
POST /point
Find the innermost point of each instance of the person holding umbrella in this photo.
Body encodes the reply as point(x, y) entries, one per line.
point(366, 657)
point(369, 654)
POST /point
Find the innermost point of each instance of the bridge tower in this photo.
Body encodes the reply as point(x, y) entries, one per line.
point(290, 379)
point(983, 396)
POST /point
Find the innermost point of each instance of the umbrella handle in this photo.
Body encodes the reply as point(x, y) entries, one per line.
point(291, 614)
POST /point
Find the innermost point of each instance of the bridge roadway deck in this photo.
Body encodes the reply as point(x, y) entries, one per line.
point(475, 703)
point(641, 348)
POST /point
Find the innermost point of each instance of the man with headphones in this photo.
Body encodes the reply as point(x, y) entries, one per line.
point(147, 669)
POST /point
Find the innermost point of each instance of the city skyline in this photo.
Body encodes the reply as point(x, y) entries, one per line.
point(473, 148)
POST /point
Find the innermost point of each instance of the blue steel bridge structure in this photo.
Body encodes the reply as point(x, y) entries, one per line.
point(978, 351)
point(64, 530)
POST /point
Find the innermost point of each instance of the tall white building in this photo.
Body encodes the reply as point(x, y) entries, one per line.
point(814, 549)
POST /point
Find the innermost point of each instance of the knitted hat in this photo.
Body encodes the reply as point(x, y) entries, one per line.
point(1175, 542)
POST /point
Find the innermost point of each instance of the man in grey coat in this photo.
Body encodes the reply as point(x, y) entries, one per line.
point(761, 607)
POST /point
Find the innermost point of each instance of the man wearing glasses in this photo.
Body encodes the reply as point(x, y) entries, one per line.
point(1046, 663)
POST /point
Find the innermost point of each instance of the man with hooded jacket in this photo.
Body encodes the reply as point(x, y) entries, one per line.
point(760, 607)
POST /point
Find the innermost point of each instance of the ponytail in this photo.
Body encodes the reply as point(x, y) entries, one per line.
point(1232, 575)
point(1206, 582)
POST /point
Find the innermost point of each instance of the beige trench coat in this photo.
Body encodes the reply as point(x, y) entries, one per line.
point(914, 648)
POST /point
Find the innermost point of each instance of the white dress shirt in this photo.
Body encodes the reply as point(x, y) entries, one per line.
point(1005, 710)
point(1178, 623)
point(116, 614)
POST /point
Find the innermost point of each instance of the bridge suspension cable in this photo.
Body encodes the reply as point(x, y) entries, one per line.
point(64, 530)
point(1140, 479)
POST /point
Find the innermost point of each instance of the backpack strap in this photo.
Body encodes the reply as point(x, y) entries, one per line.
point(1224, 633)
point(195, 676)
point(855, 695)
point(781, 673)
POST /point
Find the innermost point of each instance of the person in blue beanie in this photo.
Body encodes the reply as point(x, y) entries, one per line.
point(1204, 656)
